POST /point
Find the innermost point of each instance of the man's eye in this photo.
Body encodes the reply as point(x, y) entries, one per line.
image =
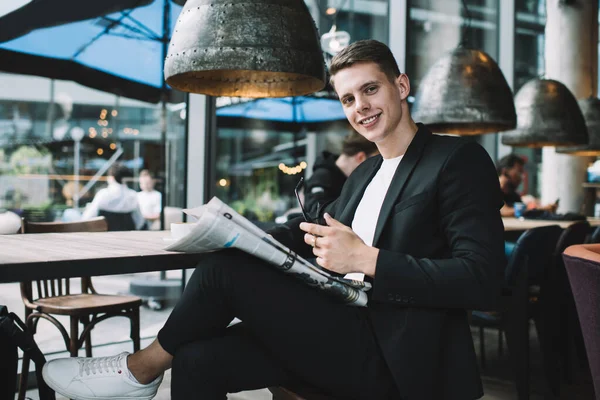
point(371, 89)
point(348, 100)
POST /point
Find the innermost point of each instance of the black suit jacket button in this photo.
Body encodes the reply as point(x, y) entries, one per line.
point(411, 300)
point(390, 296)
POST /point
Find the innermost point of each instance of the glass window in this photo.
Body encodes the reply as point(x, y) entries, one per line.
point(362, 19)
point(43, 169)
point(436, 27)
point(530, 22)
point(259, 161)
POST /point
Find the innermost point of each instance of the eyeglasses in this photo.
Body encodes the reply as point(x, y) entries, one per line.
point(307, 217)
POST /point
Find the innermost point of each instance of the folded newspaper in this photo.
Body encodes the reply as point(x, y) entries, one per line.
point(220, 227)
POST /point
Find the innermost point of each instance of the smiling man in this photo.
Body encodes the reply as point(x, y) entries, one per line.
point(421, 222)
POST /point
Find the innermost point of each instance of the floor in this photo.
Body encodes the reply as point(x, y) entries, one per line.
point(111, 338)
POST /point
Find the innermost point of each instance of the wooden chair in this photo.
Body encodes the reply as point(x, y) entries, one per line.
point(43, 298)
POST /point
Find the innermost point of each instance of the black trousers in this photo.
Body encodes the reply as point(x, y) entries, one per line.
point(291, 334)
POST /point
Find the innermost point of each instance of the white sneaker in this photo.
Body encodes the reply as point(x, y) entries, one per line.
point(99, 378)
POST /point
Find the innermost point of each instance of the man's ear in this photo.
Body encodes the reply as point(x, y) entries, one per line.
point(403, 84)
point(360, 157)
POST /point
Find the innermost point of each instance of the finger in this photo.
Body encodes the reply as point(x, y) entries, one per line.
point(314, 229)
point(320, 261)
point(332, 221)
point(309, 239)
point(318, 252)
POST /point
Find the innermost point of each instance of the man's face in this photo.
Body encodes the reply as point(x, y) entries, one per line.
point(371, 102)
point(146, 183)
point(515, 174)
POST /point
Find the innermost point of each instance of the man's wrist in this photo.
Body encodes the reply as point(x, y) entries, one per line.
point(370, 262)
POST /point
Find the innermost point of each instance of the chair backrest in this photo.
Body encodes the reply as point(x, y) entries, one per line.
point(594, 236)
point(118, 221)
point(535, 247)
point(97, 224)
point(573, 234)
point(583, 269)
point(58, 287)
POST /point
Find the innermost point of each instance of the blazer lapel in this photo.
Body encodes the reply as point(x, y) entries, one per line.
point(350, 208)
point(403, 172)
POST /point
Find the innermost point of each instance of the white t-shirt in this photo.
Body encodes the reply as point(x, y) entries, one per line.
point(150, 202)
point(367, 212)
point(116, 197)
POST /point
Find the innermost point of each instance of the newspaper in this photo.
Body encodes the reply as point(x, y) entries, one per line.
point(220, 227)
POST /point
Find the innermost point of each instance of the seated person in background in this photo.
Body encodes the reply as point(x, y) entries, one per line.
point(510, 171)
point(117, 197)
point(330, 170)
point(149, 200)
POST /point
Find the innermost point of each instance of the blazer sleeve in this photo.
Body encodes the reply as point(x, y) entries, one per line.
point(290, 234)
point(469, 202)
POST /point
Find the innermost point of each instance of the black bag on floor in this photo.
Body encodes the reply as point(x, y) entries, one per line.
point(13, 334)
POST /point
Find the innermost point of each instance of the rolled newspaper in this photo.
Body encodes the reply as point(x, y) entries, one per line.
point(220, 227)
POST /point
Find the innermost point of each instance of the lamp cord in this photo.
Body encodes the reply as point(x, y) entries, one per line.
point(467, 28)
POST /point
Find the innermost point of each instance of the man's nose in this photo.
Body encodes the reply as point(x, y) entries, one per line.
point(362, 104)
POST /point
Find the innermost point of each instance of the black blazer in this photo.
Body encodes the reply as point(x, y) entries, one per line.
point(441, 244)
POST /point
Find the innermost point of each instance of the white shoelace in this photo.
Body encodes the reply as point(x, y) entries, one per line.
point(99, 365)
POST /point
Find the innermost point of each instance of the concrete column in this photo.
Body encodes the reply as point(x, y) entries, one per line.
point(506, 56)
point(197, 119)
point(571, 54)
point(398, 12)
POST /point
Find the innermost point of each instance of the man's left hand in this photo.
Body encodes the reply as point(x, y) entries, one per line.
point(339, 249)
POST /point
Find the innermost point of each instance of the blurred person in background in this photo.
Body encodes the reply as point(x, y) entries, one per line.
point(331, 171)
point(117, 198)
point(510, 169)
point(149, 200)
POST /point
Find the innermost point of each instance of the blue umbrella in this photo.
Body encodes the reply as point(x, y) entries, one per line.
point(44, 13)
point(299, 110)
point(122, 52)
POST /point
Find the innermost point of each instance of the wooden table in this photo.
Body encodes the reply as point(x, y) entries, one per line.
point(516, 224)
point(60, 255)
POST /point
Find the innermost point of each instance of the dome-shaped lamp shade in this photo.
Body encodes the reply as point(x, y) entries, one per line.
point(465, 93)
point(590, 108)
point(547, 115)
point(263, 48)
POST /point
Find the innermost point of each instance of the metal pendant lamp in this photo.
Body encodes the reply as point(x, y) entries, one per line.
point(260, 48)
point(590, 108)
point(547, 115)
point(465, 93)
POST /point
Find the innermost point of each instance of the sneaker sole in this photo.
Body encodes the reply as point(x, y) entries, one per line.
point(53, 385)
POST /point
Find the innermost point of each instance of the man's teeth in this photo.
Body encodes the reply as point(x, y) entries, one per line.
point(369, 120)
